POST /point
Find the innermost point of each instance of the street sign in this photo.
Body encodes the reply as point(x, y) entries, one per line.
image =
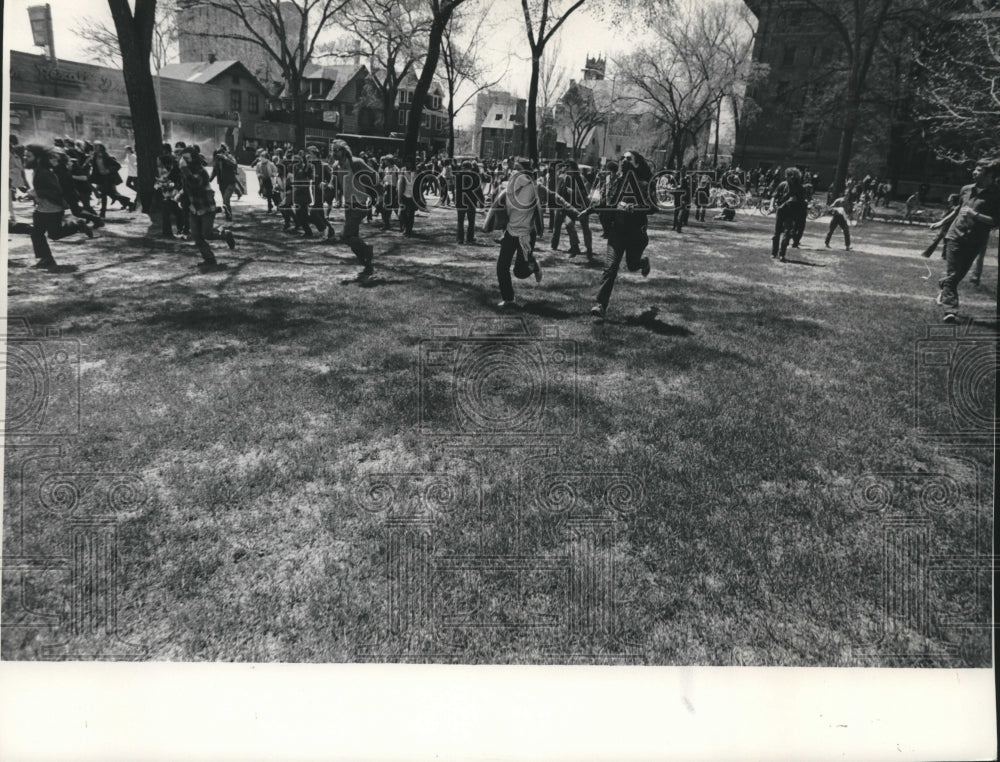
point(40, 17)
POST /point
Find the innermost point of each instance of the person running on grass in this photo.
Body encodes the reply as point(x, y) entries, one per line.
point(521, 206)
point(969, 231)
point(360, 184)
point(627, 208)
point(106, 176)
point(224, 168)
point(50, 207)
point(201, 198)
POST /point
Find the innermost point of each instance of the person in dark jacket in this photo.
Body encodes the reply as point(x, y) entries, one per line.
point(224, 169)
point(201, 198)
point(468, 197)
point(360, 187)
point(170, 184)
point(50, 207)
point(105, 174)
point(789, 201)
point(628, 207)
point(62, 171)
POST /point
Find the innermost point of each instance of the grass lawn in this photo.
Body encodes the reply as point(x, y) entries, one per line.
point(743, 465)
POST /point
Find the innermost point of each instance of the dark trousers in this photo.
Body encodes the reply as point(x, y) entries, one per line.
point(564, 220)
point(681, 214)
point(784, 229)
point(267, 191)
point(628, 244)
point(203, 229)
point(470, 215)
point(801, 215)
point(132, 183)
point(407, 214)
point(109, 189)
point(53, 225)
point(839, 221)
point(510, 246)
point(959, 257)
point(353, 215)
point(389, 202)
point(78, 211)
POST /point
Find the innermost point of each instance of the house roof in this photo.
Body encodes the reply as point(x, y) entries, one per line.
point(339, 74)
point(506, 113)
point(203, 72)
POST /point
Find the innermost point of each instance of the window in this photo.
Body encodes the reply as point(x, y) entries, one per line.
point(316, 87)
point(487, 148)
point(425, 120)
point(236, 79)
point(253, 104)
point(235, 100)
point(348, 109)
point(788, 56)
point(404, 96)
point(403, 118)
point(498, 117)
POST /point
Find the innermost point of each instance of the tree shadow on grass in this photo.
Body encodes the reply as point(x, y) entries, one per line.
point(547, 310)
point(648, 320)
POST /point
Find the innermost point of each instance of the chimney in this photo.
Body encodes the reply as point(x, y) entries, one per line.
point(212, 58)
point(357, 54)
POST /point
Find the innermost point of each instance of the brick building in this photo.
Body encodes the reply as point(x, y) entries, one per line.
point(54, 99)
point(246, 98)
point(198, 39)
point(434, 119)
point(499, 126)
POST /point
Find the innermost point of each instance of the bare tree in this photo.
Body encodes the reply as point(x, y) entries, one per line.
point(696, 61)
point(391, 35)
point(542, 19)
point(102, 41)
point(459, 56)
point(960, 84)
point(860, 26)
point(441, 12)
point(135, 43)
point(584, 107)
point(286, 31)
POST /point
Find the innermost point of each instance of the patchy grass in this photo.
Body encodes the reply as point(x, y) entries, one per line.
point(314, 493)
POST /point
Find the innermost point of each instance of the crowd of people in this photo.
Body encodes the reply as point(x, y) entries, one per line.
point(305, 186)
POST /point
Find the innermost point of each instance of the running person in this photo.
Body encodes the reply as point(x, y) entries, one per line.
point(523, 209)
point(969, 232)
point(201, 197)
point(50, 207)
point(839, 219)
point(627, 207)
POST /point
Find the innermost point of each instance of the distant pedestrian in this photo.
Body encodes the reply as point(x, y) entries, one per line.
point(131, 167)
point(468, 197)
point(360, 184)
point(838, 219)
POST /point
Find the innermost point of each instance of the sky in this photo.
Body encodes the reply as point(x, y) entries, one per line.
point(504, 51)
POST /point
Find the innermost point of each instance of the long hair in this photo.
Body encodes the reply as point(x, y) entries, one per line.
point(642, 169)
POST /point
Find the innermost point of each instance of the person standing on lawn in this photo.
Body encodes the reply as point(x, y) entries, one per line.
point(131, 167)
point(360, 183)
point(50, 207)
point(468, 197)
point(406, 192)
point(789, 200)
point(969, 231)
point(201, 198)
point(838, 218)
point(573, 189)
point(629, 206)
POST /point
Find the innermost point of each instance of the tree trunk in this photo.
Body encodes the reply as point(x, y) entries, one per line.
point(135, 38)
point(299, 109)
point(536, 61)
point(388, 102)
point(853, 108)
point(424, 83)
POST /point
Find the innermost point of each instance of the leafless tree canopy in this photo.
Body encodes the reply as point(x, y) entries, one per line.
point(102, 40)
